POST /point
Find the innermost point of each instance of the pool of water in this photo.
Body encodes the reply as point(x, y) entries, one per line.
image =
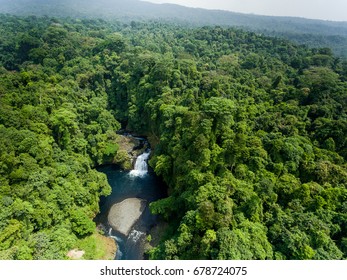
point(125, 185)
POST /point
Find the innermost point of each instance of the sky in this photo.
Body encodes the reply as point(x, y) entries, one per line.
point(335, 10)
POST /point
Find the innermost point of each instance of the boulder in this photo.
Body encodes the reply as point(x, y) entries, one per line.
point(123, 215)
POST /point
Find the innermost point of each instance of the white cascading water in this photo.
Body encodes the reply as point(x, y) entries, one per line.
point(116, 238)
point(135, 235)
point(119, 253)
point(141, 167)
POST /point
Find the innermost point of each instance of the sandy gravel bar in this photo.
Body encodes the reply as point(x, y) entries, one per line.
point(123, 215)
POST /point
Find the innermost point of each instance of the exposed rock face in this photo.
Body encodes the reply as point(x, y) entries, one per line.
point(130, 148)
point(123, 215)
point(127, 143)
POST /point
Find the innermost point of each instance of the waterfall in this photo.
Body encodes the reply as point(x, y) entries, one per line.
point(141, 167)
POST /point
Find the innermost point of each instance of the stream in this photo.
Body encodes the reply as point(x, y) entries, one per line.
point(137, 183)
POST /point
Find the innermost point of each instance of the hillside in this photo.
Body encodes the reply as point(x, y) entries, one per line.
point(315, 33)
point(248, 132)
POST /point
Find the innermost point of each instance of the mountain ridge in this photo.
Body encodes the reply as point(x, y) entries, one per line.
point(140, 8)
point(130, 10)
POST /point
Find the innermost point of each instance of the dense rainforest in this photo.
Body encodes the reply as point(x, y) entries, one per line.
point(314, 33)
point(249, 133)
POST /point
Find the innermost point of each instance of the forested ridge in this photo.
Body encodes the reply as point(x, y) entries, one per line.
point(314, 33)
point(249, 133)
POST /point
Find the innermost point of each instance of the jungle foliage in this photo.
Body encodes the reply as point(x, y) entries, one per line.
point(249, 134)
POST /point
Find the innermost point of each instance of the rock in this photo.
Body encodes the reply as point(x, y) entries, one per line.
point(127, 143)
point(127, 152)
point(123, 215)
point(75, 254)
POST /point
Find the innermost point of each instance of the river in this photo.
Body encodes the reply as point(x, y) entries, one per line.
point(138, 183)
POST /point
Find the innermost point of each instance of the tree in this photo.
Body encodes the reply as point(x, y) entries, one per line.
point(81, 224)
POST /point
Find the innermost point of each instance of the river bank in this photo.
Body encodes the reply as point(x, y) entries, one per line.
point(94, 247)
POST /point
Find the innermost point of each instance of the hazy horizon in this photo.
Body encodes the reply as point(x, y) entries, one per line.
point(332, 10)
